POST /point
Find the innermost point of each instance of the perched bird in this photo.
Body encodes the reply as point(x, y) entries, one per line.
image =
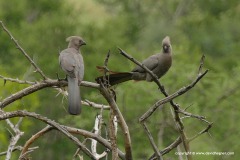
point(159, 64)
point(71, 62)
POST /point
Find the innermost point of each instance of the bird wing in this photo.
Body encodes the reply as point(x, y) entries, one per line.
point(151, 63)
point(67, 62)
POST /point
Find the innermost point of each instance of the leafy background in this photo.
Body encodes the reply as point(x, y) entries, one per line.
point(209, 27)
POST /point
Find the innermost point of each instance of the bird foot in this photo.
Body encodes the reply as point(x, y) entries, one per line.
point(61, 79)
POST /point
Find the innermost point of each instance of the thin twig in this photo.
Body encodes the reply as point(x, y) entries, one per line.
point(33, 138)
point(180, 128)
point(178, 141)
point(106, 70)
point(18, 148)
point(201, 132)
point(23, 51)
point(201, 64)
point(95, 105)
point(202, 118)
point(168, 149)
point(227, 93)
point(155, 148)
point(17, 80)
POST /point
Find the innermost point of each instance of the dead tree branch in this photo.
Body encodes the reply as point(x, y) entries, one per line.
point(157, 153)
point(168, 149)
point(16, 80)
point(19, 148)
point(72, 130)
point(110, 98)
point(6, 115)
point(14, 138)
point(23, 52)
point(38, 86)
point(171, 97)
point(201, 132)
point(179, 141)
point(97, 131)
point(113, 135)
point(95, 105)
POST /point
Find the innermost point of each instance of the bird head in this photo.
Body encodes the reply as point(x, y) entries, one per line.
point(166, 45)
point(75, 42)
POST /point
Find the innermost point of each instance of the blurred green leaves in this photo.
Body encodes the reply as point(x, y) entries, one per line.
point(195, 28)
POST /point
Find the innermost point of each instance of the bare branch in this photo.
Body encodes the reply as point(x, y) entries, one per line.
point(112, 135)
point(33, 138)
point(38, 86)
point(18, 148)
point(180, 128)
point(95, 105)
point(73, 131)
point(17, 80)
point(107, 58)
point(168, 149)
point(171, 97)
point(157, 153)
point(201, 64)
point(106, 70)
point(6, 115)
point(202, 118)
point(86, 102)
point(23, 51)
point(229, 92)
point(15, 137)
point(110, 98)
point(200, 133)
point(179, 141)
point(97, 131)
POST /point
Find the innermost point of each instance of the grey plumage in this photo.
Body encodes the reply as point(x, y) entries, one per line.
point(159, 64)
point(71, 62)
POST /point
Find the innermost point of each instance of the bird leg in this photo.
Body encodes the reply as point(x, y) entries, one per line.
point(61, 79)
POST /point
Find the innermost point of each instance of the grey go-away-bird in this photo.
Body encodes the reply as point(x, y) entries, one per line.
point(71, 62)
point(159, 64)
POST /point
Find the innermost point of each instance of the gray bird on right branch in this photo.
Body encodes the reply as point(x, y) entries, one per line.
point(158, 63)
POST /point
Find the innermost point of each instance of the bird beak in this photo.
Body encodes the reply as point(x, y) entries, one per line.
point(84, 43)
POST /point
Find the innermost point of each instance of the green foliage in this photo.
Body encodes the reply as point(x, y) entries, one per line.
point(195, 28)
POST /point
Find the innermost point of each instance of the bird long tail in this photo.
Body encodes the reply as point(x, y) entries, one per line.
point(115, 78)
point(74, 98)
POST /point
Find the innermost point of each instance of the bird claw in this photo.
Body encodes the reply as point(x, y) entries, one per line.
point(61, 79)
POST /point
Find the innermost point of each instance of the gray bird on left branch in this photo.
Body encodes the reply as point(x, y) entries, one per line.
point(71, 62)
